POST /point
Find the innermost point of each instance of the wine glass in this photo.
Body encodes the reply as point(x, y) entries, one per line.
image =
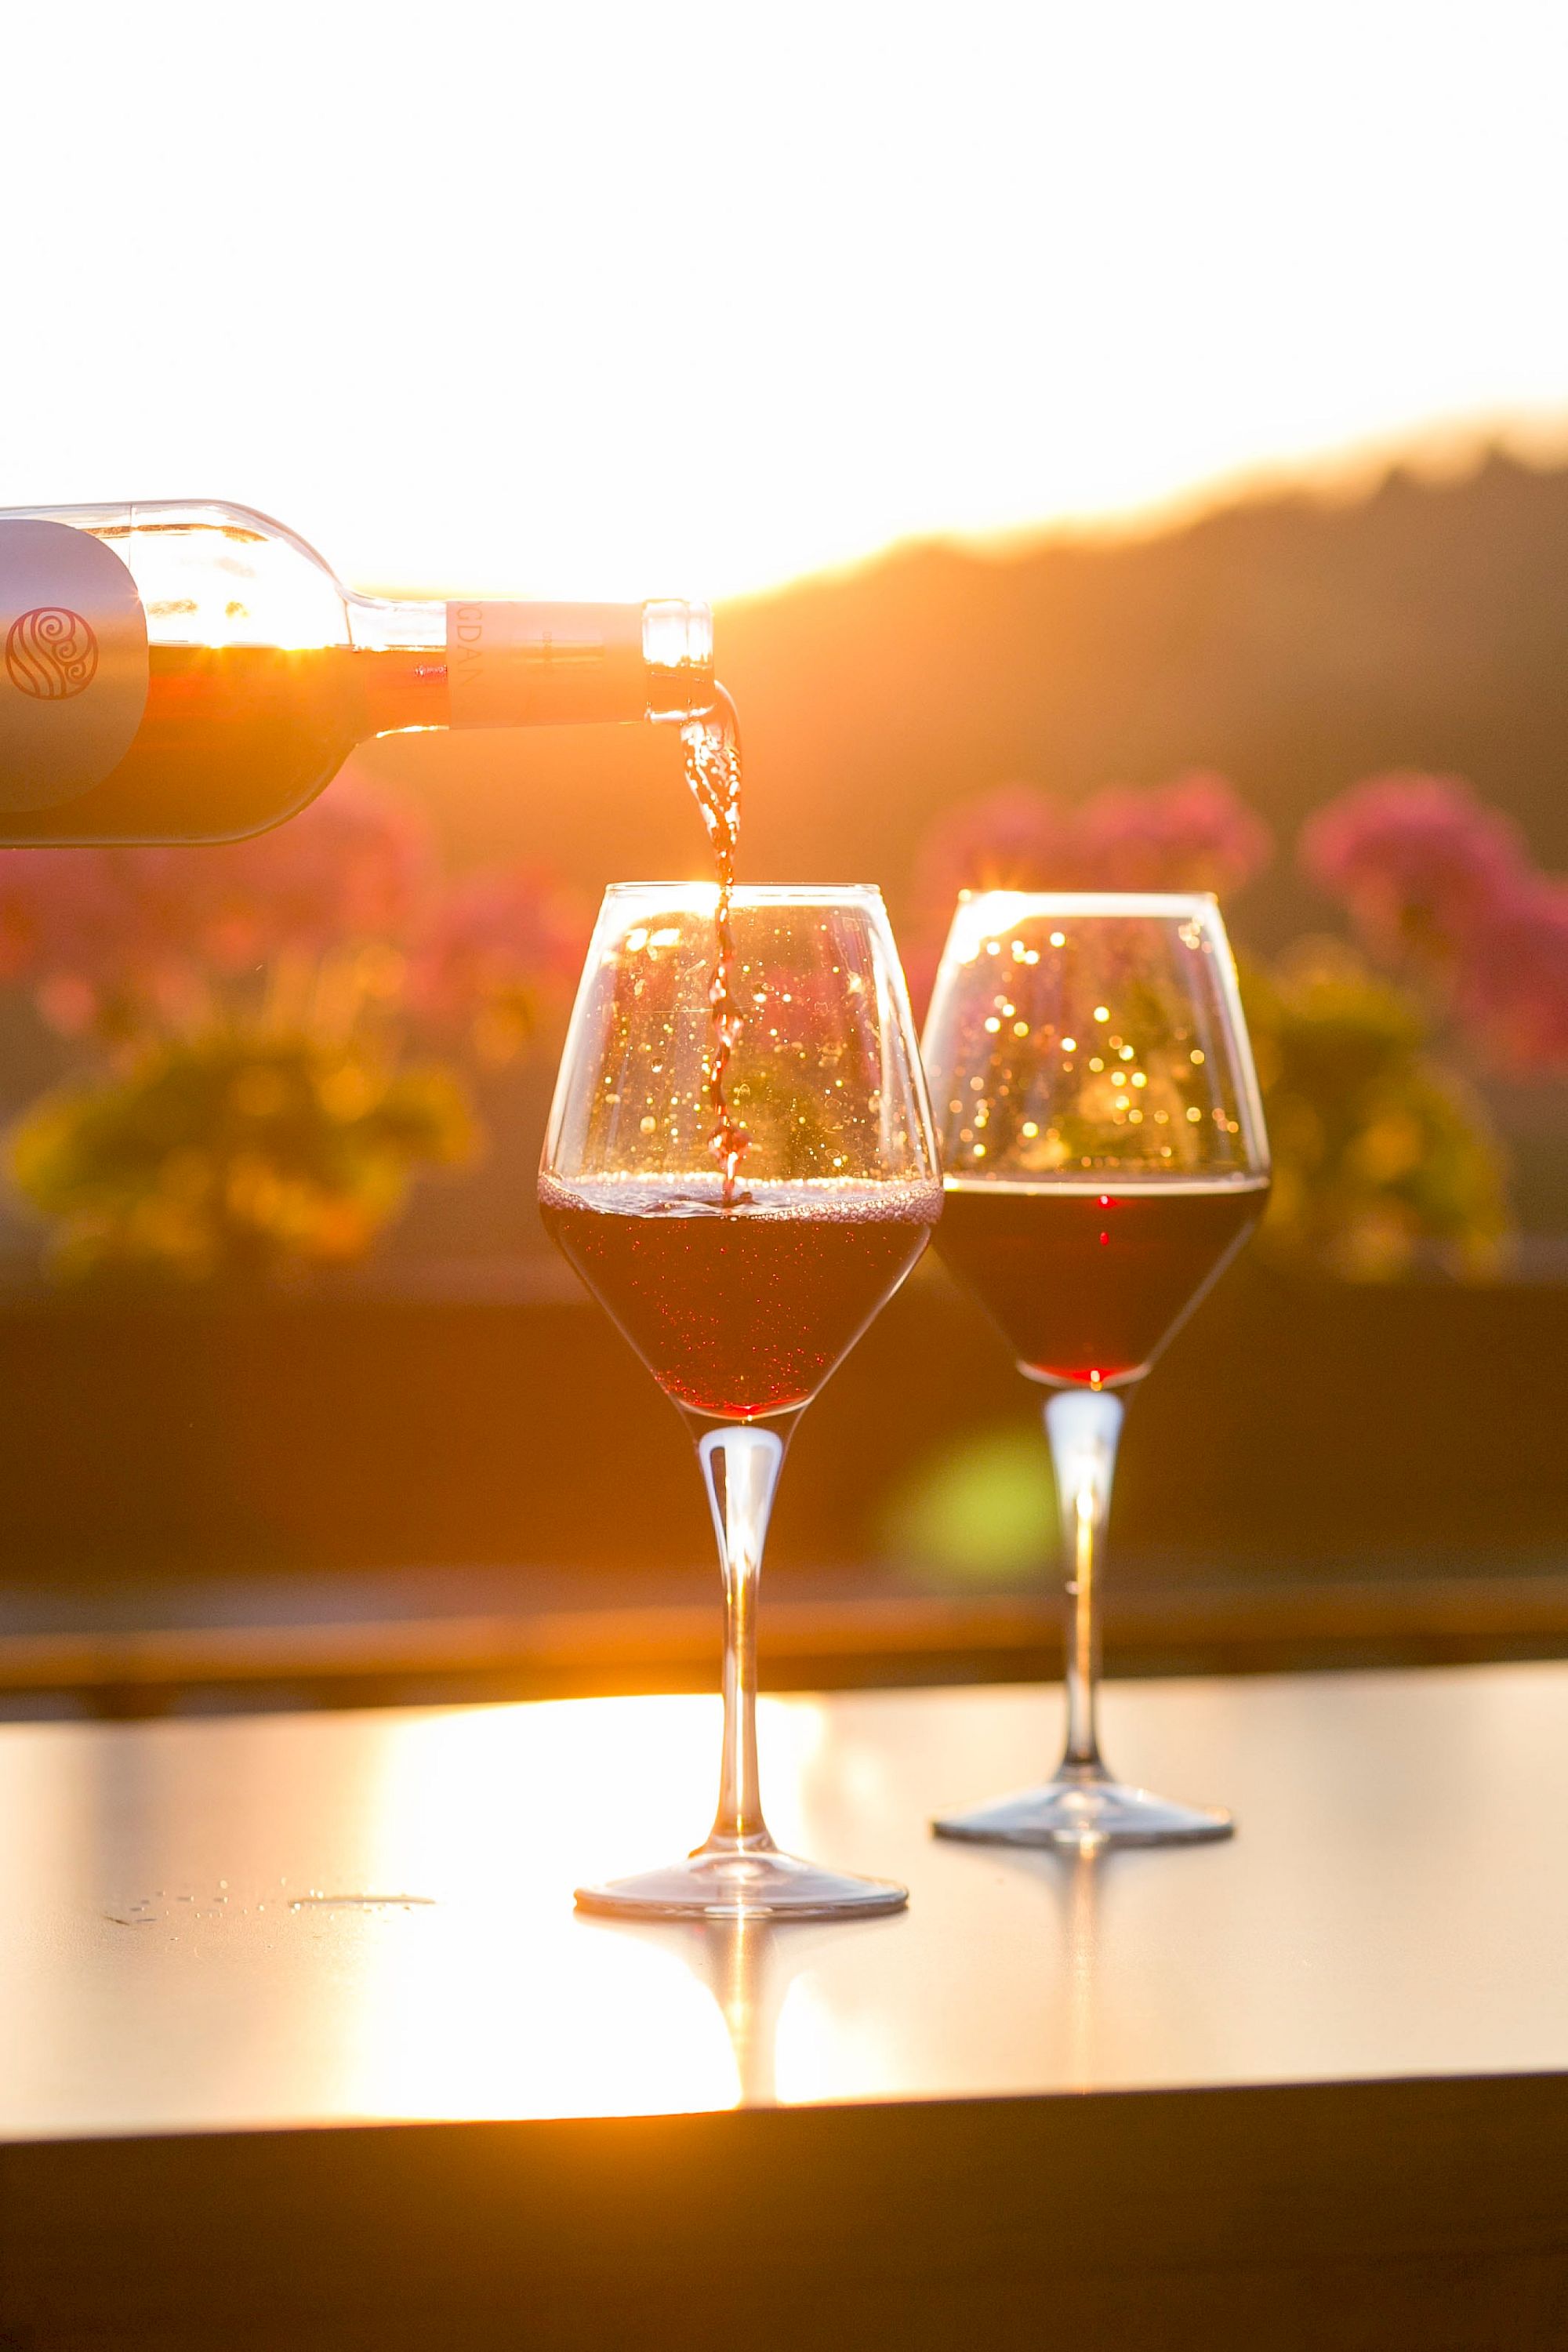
point(1105, 1160)
point(740, 1299)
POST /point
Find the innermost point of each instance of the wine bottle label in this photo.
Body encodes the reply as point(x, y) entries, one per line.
point(540, 665)
point(73, 663)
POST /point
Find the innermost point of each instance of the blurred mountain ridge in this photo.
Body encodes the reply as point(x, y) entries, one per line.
point(1293, 642)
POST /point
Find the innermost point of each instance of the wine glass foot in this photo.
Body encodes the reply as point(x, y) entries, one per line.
point(756, 1885)
point(1084, 1814)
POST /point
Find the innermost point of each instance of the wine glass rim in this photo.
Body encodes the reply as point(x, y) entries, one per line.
point(755, 894)
point(1092, 902)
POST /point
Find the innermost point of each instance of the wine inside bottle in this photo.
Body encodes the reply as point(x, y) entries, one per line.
point(195, 672)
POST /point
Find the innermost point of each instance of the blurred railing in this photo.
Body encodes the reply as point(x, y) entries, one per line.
point(476, 1491)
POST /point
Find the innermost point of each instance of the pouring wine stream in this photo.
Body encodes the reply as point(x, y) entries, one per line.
point(712, 749)
point(740, 1299)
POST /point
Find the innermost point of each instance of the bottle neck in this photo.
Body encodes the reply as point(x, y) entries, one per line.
point(494, 664)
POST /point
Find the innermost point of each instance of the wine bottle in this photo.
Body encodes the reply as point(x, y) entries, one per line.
point(194, 672)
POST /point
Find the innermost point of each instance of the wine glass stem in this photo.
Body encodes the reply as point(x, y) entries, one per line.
point(1083, 1427)
point(740, 1467)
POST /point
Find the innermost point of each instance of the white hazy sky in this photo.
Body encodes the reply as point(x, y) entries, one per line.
point(632, 297)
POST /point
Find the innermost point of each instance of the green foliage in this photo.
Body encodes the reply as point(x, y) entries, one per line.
point(1379, 1150)
point(232, 1154)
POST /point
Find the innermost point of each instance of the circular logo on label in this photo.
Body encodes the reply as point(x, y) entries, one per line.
point(51, 653)
point(73, 668)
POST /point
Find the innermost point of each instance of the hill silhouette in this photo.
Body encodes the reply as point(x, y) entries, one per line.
point(1295, 644)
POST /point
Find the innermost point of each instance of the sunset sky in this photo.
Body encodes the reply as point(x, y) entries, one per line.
point(626, 298)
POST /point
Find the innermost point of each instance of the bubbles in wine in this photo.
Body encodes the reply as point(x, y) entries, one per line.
point(713, 746)
point(685, 1274)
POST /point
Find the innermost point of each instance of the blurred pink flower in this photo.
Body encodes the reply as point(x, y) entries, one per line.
point(1196, 833)
point(1434, 878)
point(494, 942)
point(1512, 985)
point(1418, 861)
point(353, 865)
point(84, 929)
point(1013, 838)
point(113, 942)
point(106, 936)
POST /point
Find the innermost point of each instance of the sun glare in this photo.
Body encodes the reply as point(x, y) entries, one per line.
point(650, 307)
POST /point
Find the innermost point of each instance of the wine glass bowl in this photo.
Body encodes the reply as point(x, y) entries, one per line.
point(740, 1296)
point(1105, 1158)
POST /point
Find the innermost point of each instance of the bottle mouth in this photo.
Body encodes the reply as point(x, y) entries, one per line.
point(677, 653)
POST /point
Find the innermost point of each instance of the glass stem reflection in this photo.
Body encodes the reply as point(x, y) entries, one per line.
point(740, 1467)
point(1083, 1427)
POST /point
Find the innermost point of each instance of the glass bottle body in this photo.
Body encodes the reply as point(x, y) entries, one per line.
point(196, 672)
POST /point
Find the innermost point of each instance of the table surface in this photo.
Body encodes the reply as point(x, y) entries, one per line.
point(306, 1919)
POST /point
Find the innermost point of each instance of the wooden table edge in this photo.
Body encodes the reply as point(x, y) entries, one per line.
point(1362, 2205)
